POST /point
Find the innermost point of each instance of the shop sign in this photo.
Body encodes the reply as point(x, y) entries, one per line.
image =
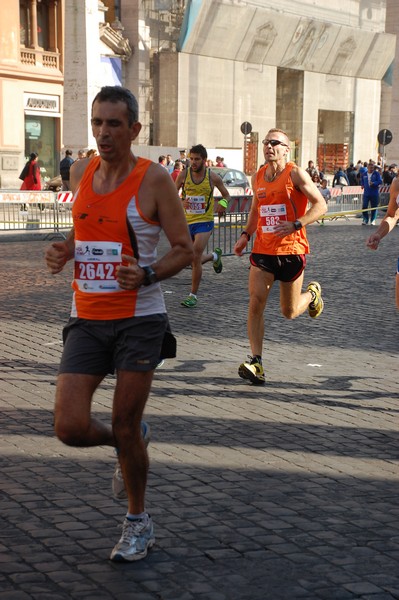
point(41, 103)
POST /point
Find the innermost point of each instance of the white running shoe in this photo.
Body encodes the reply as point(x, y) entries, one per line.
point(137, 538)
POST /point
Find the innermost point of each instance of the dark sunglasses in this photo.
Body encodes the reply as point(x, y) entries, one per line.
point(273, 143)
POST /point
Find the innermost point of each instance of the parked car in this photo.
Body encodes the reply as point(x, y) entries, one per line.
point(238, 187)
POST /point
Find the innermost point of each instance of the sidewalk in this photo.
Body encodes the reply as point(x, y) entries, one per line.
point(289, 491)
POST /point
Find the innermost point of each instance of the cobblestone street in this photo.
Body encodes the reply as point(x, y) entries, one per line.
point(287, 491)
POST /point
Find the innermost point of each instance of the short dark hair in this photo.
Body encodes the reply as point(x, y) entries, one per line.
point(68, 152)
point(116, 93)
point(199, 149)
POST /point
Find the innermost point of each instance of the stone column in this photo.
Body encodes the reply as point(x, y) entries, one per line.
point(53, 41)
point(81, 60)
point(33, 25)
point(137, 70)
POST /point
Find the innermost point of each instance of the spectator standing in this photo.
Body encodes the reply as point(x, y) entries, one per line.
point(340, 178)
point(389, 174)
point(177, 169)
point(31, 172)
point(352, 175)
point(361, 171)
point(316, 179)
point(170, 163)
point(81, 154)
point(324, 191)
point(184, 160)
point(65, 167)
point(370, 182)
point(91, 153)
point(359, 164)
point(385, 175)
point(311, 169)
point(162, 161)
point(31, 176)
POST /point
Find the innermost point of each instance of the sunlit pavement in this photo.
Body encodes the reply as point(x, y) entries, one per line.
point(280, 492)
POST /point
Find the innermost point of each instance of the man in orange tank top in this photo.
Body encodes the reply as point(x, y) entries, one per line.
point(279, 214)
point(118, 319)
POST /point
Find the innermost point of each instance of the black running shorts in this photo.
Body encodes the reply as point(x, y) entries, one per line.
point(100, 347)
point(284, 267)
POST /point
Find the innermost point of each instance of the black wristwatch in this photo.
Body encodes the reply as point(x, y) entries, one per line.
point(297, 225)
point(150, 276)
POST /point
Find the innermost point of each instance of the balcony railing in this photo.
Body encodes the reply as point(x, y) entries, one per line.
point(40, 58)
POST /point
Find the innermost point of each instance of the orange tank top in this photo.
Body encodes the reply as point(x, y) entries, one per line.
point(102, 234)
point(279, 200)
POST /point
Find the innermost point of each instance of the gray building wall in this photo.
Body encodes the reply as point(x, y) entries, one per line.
point(216, 95)
point(165, 105)
point(204, 92)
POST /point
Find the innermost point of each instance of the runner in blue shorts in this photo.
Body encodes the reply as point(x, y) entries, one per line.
point(197, 183)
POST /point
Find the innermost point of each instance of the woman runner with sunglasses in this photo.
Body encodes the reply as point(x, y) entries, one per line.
point(279, 214)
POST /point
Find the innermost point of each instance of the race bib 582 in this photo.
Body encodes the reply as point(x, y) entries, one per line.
point(271, 215)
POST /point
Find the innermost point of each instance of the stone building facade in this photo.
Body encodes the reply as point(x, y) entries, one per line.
point(327, 74)
point(314, 71)
point(31, 85)
point(54, 56)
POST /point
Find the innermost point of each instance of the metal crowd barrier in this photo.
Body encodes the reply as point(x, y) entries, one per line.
point(347, 201)
point(227, 231)
point(33, 210)
point(51, 212)
point(343, 202)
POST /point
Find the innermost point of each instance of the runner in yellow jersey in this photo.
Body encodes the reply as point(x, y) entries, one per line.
point(197, 183)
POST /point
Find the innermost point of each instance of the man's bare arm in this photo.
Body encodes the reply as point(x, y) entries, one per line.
point(216, 181)
point(301, 179)
point(251, 225)
point(59, 253)
point(390, 219)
